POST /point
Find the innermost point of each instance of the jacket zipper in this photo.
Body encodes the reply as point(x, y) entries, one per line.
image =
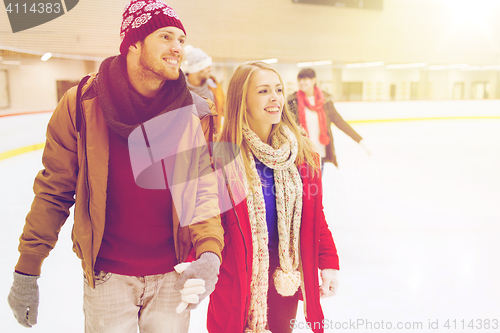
point(238, 221)
point(84, 139)
point(178, 247)
point(241, 231)
point(246, 253)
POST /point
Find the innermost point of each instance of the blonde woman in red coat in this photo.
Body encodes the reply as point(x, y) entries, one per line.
point(276, 234)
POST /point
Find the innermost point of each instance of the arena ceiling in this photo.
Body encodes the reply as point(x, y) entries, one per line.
point(404, 31)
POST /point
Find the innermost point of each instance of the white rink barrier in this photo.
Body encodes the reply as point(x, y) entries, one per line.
point(356, 112)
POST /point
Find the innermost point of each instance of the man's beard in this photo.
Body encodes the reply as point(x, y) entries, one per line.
point(157, 67)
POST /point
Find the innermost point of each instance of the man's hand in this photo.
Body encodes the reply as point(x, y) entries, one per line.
point(197, 280)
point(23, 299)
point(330, 282)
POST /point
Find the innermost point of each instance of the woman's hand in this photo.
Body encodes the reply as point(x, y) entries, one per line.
point(330, 281)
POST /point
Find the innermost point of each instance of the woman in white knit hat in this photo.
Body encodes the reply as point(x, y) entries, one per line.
point(277, 237)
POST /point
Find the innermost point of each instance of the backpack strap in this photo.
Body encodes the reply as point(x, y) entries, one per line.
point(202, 110)
point(210, 143)
point(79, 104)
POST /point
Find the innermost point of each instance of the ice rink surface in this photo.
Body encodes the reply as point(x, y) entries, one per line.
point(417, 227)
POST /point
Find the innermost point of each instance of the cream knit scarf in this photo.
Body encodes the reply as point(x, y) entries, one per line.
point(288, 186)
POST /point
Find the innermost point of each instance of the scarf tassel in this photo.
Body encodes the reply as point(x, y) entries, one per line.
point(286, 283)
point(324, 139)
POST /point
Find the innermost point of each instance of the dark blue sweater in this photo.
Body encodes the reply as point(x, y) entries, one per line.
point(267, 179)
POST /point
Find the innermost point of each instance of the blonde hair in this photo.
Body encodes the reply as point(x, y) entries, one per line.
point(236, 115)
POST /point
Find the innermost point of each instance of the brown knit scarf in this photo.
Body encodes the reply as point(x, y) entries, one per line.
point(124, 108)
point(281, 158)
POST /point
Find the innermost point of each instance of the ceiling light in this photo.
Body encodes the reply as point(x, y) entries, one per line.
point(11, 62)
point(458, 66)
point(455, 66)
point(358, 65)
point(490, 67)
point(437, 67)
point(46, 56)
point(365, 64)
point(314, 63)
point(374, 64)
point(270, 61)
point(402, 66)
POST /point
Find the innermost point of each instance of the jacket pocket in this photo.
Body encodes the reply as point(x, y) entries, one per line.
point(225, 278)
point(76, 248)
point(220, 309)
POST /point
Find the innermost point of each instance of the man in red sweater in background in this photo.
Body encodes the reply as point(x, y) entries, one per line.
point(131, 224)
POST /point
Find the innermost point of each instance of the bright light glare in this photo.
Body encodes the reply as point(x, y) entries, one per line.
point(400, 66)
point(270, 61)
point(314, 63)
point(472, 11)
point(455, 66)
point(365, 64)
point(11, 62)
point(46, 56)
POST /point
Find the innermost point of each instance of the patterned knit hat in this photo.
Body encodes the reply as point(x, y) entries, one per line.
point(142, 17)
point(195, 60)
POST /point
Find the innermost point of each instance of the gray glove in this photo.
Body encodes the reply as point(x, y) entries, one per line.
point(23, 299)
point(206, 268)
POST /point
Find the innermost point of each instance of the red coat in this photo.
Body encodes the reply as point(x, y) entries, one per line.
point(230, 301)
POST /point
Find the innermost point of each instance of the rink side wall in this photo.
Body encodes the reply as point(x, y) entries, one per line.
point(413, 110)
point(32, 84)
point(25, 132)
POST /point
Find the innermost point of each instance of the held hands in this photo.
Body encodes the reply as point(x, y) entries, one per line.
point(330, 282)
point(197, 280)
point(192, 288)
point(23, 299)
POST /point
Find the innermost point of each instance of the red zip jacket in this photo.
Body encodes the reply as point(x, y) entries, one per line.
point(230, 301)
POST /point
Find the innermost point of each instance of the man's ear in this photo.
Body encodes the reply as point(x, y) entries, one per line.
point(135, 47)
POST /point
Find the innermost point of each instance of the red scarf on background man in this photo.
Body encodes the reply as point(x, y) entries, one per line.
point(319, 100)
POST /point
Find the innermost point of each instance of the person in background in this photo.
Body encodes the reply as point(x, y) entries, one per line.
point(197, 66)
point(277, 237)
point(313, 109)
point(129, 238)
